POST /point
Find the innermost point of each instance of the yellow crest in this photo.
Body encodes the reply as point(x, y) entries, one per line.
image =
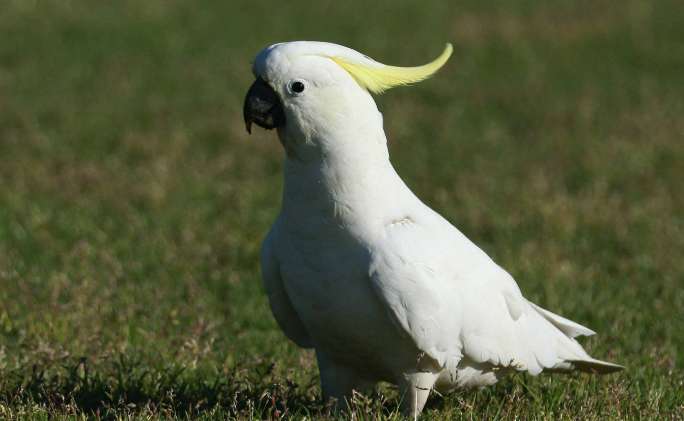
point(377, 77)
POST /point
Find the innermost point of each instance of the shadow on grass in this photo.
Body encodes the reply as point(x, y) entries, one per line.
point(126, 385)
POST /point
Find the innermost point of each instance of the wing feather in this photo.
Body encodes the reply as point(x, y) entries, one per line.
point(282, 309)
point(453, 301)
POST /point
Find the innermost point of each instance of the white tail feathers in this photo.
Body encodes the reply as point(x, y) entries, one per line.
point(566, 326)
point(596, 366)
point(572, 330)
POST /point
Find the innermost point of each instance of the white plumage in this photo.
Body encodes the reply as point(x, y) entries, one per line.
point(357, 267)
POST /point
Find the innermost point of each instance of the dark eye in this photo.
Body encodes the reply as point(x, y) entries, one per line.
point(297, 86)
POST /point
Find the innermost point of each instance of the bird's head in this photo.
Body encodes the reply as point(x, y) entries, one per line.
point(317, 92)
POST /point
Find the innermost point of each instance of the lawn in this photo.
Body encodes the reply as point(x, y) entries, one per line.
point(133, 203)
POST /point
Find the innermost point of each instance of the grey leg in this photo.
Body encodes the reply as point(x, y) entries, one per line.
point(415, 388)
point(339, 382)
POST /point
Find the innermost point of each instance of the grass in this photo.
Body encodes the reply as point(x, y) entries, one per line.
point(132, 202)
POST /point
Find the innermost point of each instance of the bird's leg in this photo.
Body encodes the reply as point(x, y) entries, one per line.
point(339, 382)
point(415, 388)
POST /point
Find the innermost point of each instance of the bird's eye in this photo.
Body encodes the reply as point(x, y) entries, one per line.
point(296, 86)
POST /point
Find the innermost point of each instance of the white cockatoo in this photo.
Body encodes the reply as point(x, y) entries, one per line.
point(358, 268)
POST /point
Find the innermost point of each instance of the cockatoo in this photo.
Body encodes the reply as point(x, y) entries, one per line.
point(358, 268)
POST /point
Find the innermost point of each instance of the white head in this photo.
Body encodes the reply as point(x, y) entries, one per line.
point(318, 94)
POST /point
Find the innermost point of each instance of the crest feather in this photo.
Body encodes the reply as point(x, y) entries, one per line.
point(377, 77)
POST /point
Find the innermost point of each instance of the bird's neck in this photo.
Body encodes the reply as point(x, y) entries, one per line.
point(350, 181)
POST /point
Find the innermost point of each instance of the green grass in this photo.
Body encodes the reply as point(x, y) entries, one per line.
point(133, 204)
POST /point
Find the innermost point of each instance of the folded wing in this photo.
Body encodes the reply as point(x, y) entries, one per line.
point(282, 309)
point(453, 301)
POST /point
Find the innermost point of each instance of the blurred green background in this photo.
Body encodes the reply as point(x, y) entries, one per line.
point(133, 203)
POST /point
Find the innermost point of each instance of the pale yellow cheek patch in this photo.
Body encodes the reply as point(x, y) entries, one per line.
point(377, 77)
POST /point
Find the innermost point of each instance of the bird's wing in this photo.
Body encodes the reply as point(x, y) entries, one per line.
point(408, 275)
point(502, 328)
point(282, 309)
point(453, 301)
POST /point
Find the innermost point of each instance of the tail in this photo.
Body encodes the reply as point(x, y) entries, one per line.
point(571, 329)
point(596, 366)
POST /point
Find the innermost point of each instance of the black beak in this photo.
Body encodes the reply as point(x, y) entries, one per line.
point(263, 107)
